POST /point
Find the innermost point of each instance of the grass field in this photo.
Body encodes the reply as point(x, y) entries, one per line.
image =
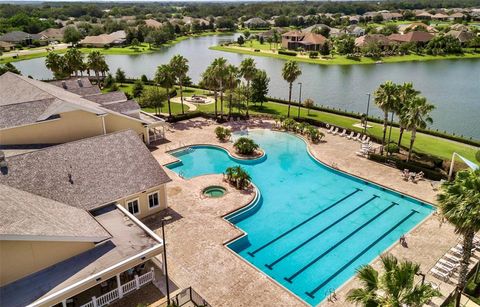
point(251, 45)
point(425, 143)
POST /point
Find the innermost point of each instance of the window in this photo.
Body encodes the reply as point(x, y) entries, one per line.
point(133, 206)
point(153, 200)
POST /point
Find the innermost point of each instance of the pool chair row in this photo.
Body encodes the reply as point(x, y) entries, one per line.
point(359, 137)
point(450, 262)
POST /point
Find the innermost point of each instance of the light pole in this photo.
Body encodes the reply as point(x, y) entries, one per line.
point(299, 99)
point(366, 117)
point(165, 257)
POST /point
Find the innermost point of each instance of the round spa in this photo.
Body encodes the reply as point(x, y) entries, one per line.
point(214, 191)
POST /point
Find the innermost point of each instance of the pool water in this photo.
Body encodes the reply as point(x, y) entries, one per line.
point(313, 226)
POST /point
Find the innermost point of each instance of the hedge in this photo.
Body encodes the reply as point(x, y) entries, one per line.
point(286, 52)
point(412, 166)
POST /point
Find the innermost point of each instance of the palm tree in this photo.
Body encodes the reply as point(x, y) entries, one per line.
point(417, 116)
point(180, 67)
point(74, 60)
point(55, 63)
point(97, 63)
point(290, 73)
point(395, 287)
point(386, 99)
point(165, 77)
point(248, 71)
point(459, 203)
point(208, 81)
point(219, 72)
point(405, 96)
point(232, 81)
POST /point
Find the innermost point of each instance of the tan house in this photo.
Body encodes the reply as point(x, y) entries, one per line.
point(378, 39)
point(411, 37)
point(70, 232)
point(53, 34)
point(5, 46)
point(462, 36)
point(309, 41)
point(35, 112)
point(152, 23)
point(103, 40)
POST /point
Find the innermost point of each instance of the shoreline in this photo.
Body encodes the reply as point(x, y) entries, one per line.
point(127, 50)
point(342, 60)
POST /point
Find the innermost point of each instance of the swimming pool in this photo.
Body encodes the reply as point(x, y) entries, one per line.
point(312, 226)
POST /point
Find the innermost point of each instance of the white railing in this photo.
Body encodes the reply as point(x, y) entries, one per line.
point(129, 286)
point(107, 298)
point(119, 292)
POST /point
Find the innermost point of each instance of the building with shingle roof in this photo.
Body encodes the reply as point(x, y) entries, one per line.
point(53, 34)
point(102, 40)
point(255, 22)
point(365, 40)
point(18, 37)
point(35, 112)
point(414, 36)
point(462, 36)
point(307, 40)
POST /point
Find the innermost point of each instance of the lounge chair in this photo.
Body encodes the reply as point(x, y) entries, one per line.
point(448, 264)
point(438, 273)
point(452, 258)
point(367, 140)
point(344, 132)
point(331, 129)
point(350, 136)
point(363, 138)
point(444, 268)
point(406, 174)
point(335, 131)
point(357, 138)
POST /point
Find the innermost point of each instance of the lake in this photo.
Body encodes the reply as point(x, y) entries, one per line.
point(453, 86)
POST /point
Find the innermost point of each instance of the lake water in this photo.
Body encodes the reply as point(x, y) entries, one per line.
point(453, 86)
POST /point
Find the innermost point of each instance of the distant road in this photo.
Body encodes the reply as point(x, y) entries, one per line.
point(33, 51)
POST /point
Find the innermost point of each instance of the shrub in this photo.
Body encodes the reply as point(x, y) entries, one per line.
point(238, 176)
point(137, 88)
point(257, 50)
point(313, 54)
point(392, 148)
point(245, 146)
point(314, 134)
point(286, 52)
point(477, 156)
point(222, 133)
point(144, 79)
point(414, 167)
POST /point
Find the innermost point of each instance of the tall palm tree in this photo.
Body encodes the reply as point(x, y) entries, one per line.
point(97, 63)
point(417, 116)
point(74, 61)
point(219, 72)
point(208, 81)
point(395, 287)
point(232, 81)
point(290, 73)
point(165, 77)
point(248, 71)
point(406, 94)
point(459, 203)
point(180, 67)
point(386, 98)
point(55, 63)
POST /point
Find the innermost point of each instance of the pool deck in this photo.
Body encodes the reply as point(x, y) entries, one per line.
point(197, 234)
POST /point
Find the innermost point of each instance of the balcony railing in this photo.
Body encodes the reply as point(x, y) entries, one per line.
point(122, 290)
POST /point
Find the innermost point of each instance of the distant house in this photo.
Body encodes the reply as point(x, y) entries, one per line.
point(416, 26)
point(423, 15)
point(20, 37)
point(53, 34)
point(269, 33)
point(316, 28)
point(354, 19)
point(378, 39)
point(411, 37)
point(256, 23)
point(391, 16)
point(457, 16)
point(70, 225)
point(462, 36)
point(307, 41)
point(354, 30)
point(152, 23)
point(5, 46)
point(35, 112)
point(102, 40)
point(440, 16)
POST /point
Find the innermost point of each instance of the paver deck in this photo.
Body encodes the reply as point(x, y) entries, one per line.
point(197, 233)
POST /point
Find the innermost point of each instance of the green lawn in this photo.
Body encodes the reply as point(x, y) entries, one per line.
point(425, 143)
point(251, 45)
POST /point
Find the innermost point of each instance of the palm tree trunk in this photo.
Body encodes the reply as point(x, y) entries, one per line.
point(385, 123)
point(216, 99)
point(400, 136)
point(289, 98)
point(248, 94)
point(230, 97)
point(462, 274)
point(97, 75)
point(168, 101)
point(390, 134)
point(412, 140)
point(181, 96)
point(221, 102)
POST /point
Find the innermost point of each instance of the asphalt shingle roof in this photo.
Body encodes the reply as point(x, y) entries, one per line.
point(87, 173)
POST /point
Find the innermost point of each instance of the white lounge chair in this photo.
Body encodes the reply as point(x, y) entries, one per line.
point(343, 133)
point(331, 129)
point(367, 140)
point(438, 273)
point(350, 136)
point(335, 131)
point(452, 258)
point(357, 138)
point(448, 264)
